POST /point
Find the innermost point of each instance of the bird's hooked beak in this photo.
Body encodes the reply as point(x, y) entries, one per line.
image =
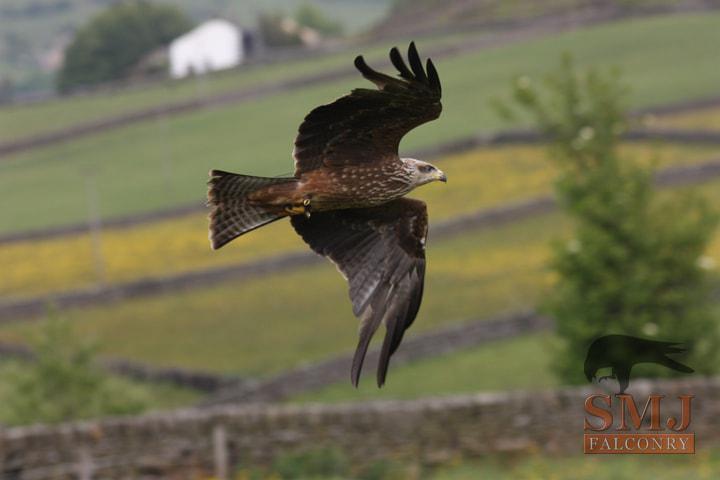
point(440, 176)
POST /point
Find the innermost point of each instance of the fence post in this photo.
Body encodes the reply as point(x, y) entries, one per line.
point(85, 464)
point(220, 452)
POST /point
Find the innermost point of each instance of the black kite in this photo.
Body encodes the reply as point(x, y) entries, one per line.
point(345, 199)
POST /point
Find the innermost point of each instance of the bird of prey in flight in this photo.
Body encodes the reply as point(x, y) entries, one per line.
point(623, 352)
point(345, 199)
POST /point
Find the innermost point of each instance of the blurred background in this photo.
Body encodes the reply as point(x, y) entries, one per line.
point(581, 139)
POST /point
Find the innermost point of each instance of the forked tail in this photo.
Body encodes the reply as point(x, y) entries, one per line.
point(232, 213)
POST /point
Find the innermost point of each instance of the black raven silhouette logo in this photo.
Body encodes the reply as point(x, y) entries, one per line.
point(622, 353)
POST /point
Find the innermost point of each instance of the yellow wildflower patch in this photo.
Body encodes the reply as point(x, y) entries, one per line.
point(306, 314)
point(158, 249)
point(478, 179)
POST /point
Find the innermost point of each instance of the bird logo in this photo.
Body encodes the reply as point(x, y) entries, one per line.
point(623, 352)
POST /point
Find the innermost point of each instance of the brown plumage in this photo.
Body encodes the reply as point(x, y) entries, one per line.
point(345, 197)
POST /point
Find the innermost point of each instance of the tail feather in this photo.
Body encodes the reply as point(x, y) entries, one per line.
point(232, 214)
point(675, 365)
point(674, 348)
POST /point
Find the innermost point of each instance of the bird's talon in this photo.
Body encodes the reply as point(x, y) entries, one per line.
point(302, 209)
point(294, 210)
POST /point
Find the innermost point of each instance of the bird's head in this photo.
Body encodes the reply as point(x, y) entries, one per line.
point(423, 172)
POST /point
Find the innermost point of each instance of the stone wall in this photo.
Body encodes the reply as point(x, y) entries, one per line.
point(185, 444)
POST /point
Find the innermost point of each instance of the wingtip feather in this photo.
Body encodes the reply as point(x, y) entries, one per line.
point(360, 64)
point(399, 63)
point(416, 63)
point(433, 76)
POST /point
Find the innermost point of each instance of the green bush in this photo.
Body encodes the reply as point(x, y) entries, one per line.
point(64, 383)
point(112, 43)
point(274, 33)
point(635, 263)
point(311, 16)
point(280, 30)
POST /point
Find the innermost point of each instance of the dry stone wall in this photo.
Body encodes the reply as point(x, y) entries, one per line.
point(188, 443)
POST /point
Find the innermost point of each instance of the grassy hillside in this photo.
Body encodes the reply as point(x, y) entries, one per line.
point(23, 121)
point(473, 370)
point(282, 320)
point(431, 15)
point(479, 179)
point(305, 315)
point(278, 321)
point(31, 28)
point(159, 164)
point(520, 363)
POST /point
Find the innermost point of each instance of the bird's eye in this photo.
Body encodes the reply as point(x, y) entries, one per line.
point(427, 168)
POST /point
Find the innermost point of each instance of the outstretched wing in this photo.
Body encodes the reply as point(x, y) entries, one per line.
point(367, 125)
point(381, 253)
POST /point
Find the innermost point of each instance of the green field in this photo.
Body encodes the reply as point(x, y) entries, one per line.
point(276, 322)
point(23, 121)
point(498, 366)
point(230, 327)
point(479, 179)
point(163, 163)
point(501, 365)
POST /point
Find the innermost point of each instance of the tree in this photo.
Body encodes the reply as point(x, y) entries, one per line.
point(110, 44)
point(309, 15)
point(635, 263)
point(278, 31)
point(65, 383)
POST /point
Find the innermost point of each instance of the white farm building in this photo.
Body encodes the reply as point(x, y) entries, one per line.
point(213, 45)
